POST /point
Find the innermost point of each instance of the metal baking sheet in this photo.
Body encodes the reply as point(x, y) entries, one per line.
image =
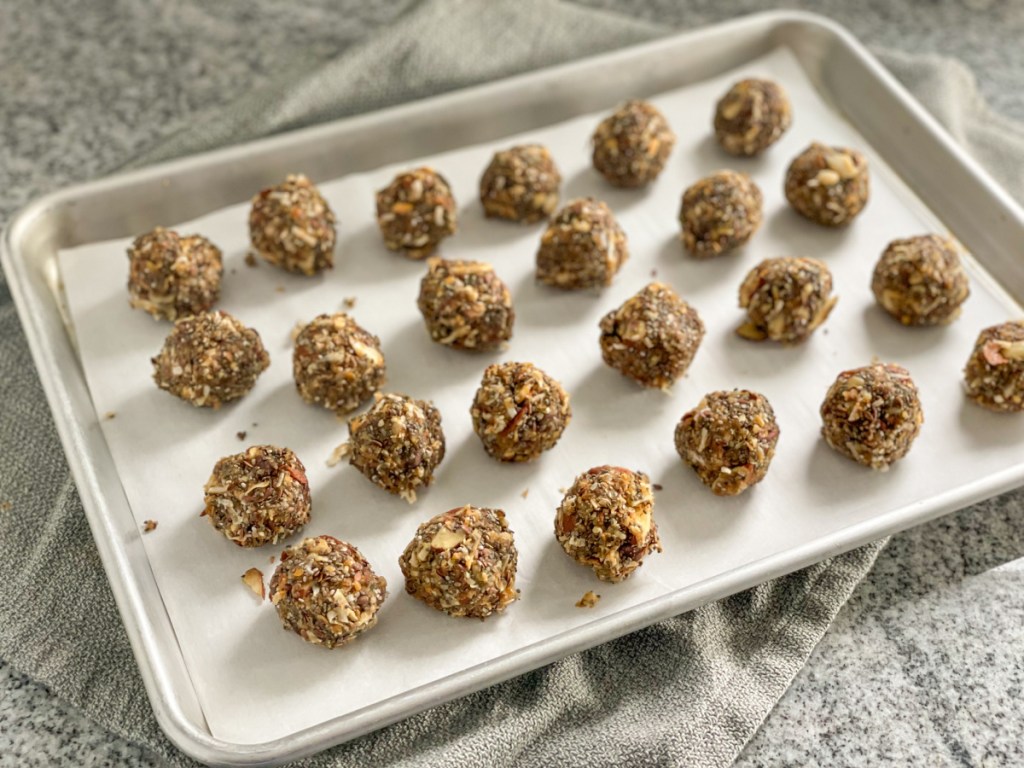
point(843, 75)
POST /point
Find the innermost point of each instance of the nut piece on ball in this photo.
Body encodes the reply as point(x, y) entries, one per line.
point(521, 184)
point(210, 359)
point(729, 440)
point(720, 213)
point(994, 375)
point(920, 280)
point(258, 496)
point(605, 521)
point(337, 363)
point(752, 116)
point(786, 299)
point(292, 227)
point(463, 562)
point(583, 247)
point(872, 414)
point(170, 276)
point(465, 305)
point(415, 212)
point(828, 185)
point(632, 145)
point(325, 591)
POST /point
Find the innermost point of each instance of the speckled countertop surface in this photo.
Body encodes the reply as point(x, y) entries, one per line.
point(923, 666)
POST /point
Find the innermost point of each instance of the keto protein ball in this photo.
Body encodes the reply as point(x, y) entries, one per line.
point(828, 185)
point(465, 305)
point(325, 591)
point(258, 496)
point(786, 299)
point(520, 184)
point(170, 276)
point(583, 247)
point(337, 363)
point(416, 212)
point(752, 116)
point(653, 337)
point(632, 145)
point(720, 213)
point(606, 522)
point(210, 359)
point(872, 414)
point(292, 227)
point(994, 376)
point(920, 280)
point(463, 562)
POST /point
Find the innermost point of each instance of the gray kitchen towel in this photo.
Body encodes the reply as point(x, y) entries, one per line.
point(687, 691)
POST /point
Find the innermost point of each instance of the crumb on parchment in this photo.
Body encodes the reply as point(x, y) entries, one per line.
point(149, 526)
point(589, 600)
point(253, 579)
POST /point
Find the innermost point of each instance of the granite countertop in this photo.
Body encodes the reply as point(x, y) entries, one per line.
point(923, 665)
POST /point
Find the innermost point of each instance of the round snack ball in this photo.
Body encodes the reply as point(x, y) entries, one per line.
point(325, 591)
point(463, 562)
point(994, 375)
point(397, 444)
point(920, 280)
point(337, 363)
point(786, 299)
point(415, 212)
point(292, 227)
point(465, 305)
point(258, 496)
point(171, 276)
point(210, 359)
point(752, 116)
point(828, 185)
point(583, 247)
point(653, 337)
point(632, 144)
point(720, 213)
point(521, 184)
point(729, 440)
point(519, 411)
point(872, 414)
point(606, 521)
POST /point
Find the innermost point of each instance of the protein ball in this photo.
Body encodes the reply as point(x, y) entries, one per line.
point(397, 444)
point(752, 116)
point(170, 276)
point(337, 363)
point(465, 305)
point(653, 337)
point(520, 184)
point(583, 247)
point(994, 375)
point(729, 440)
point(258, 496)
point(786, 299)
point(605, 521)
point(828, 185)
point(210, 359)
point(720, 213)
point(920, 280)
point(519, 411)
point(632, 145)
point(325, 591)
point(415, 212)
point(872, 414)
point(463, 562)
point(292, 227)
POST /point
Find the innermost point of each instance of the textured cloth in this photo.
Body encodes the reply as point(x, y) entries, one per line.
point(688, 691)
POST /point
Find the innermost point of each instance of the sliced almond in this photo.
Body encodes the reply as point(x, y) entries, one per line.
point(253, 579)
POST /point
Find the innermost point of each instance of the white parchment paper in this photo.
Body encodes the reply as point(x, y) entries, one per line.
point(256, 682)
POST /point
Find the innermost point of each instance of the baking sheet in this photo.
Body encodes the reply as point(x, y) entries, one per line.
point(256, 682)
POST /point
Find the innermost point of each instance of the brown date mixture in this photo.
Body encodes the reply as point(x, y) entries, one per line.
point(583, 247)
point(828, 185)
point(170, 276)
point(994, 375)
point(921, 281)
point(632, 145)
point(465, 305)
point(720, 213)
point(520, 184)
point(786, 299)
point(292, 227)
point(415, 212)
point(751, 116)
point(337, 363)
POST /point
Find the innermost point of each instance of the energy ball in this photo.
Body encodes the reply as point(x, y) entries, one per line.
point(606, 521)
point(325, 591)
point(463, 562)
point(752, 116)
point(170, 276)
point(415, 212)
point(994, 375)
point(729, 440)
point(583, 247)
point(920, 280)
point(632, 145)
point(720, 213)
point(258, 496)
point(872, 414)
point(786, 299)
point(210, 359)
point(292, 227)
point(337, 363)
point(653, 337)
point(828, 185)
point(519, 411)
point(397, 444)
point(521, 184)
point(465, 305)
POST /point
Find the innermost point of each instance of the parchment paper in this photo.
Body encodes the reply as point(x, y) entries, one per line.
point(256, 682)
